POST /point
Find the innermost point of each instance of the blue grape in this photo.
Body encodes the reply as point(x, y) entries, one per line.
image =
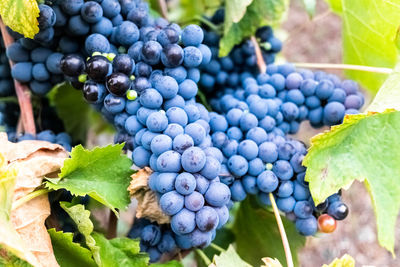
point(182, 142)
point(177, 115)
point(92, 12)
point(212, 168)
point(185, 183)
point(192, 57)
point(193, 159)
point(183, 222)
point(307, 226)
point(192, 35)
point(160, 144)
point(217, 194)
point(141, 156)
point(267, 181)
point(157, 122)
point(303, 209)
point(173, 130)
point(286, 204)
point(171, 203)
point(237, 190)
point(194, 201)
point(169, 161)
point(207, 219)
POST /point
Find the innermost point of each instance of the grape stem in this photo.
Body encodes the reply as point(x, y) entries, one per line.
point(112, 225)
point(163, 8)
point(22, 91)
point(211, 25)
point(18, 203)
point(204, 257)
point(285, 242)
point(216, 247)
point(343, 67)
point(262, 67)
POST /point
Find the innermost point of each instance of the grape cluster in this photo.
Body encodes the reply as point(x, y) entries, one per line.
point(149, 95)
point(251, 132)
point(229, 71)
point(154, 239)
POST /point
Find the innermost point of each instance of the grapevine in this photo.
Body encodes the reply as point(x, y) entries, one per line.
point(198, 132)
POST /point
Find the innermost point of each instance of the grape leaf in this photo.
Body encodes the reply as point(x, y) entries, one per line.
point(229, 258)
point(21, 16)
point(81, 217)
point(123, 251)
point(69, 253)
point(368, 37)
point(366, 147)
point(258, 13)
point(167, 264)
point(8, 259)
point(345, 261)
point(102, 173)
point(70, 106)
point(257, 234)
point(310, 6)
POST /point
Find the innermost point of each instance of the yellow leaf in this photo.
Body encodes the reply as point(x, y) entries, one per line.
point(21, 16)
point(345, 261)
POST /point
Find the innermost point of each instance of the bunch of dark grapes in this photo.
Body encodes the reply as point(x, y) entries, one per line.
point(229, 71)
point(251, 132)
point(154, 239)
point(149, 95)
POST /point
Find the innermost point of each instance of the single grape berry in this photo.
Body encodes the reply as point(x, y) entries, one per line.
point(326, 223)
point(338, 210)
point(93, 92)
point(98, 68)
point(72, 65)
point(118, 84)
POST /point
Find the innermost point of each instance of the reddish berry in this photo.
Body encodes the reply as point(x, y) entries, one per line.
point(326, 223)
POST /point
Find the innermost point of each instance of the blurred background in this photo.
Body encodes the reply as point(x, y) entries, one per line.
point(319, 40)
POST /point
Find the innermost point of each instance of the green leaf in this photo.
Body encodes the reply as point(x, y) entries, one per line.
point(167, 264)
point(102, 173)
point(8, 259)
point(366, 147)
point(69, 253)
point(368, 37)
point(258, 13)
point(229, 258)
point(235, 10)
point(310, 6)
point(73, 110)
point(257, 234)
point(21, 16)
point(185, 11)
point(345, 261)
point(388, 97)
point(124, 251)
point(81, 217)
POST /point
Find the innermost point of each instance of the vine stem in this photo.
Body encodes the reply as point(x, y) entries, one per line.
point(216, 247)
point(18, 203)
point(112, 225)
point(285, 242)
point(343, 67)
point(22, 91)
point(163, 8)
point(262, 67)
point(204, 257)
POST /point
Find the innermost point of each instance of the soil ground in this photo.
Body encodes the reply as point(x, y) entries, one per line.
point(319, 40)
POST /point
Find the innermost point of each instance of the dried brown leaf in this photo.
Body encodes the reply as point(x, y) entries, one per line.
point(33, 160)
point(147, 200)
